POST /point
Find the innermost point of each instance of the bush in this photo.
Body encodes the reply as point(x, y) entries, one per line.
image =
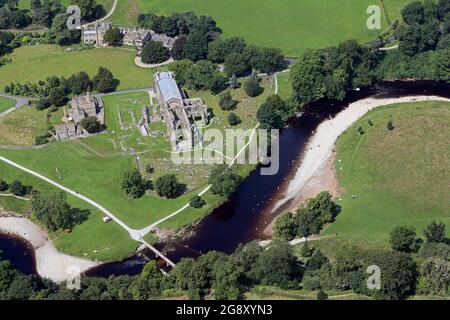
point(154, 52)
point(321, 295)
point(285, 227)
point(197, 202)
point(17, 188)
point(390, 126)
point(3, 185)
point(91, 124)
point(404, 239)
point(252, 88)
point(40, 140)
point(167, 186)
point(226, 101)
point(233, 119)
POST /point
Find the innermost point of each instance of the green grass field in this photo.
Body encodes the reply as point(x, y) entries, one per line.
point(107, 4)
point(6, 104)
point(400, 177)
point(19, 128)
point(34, 63)
point(292, 25)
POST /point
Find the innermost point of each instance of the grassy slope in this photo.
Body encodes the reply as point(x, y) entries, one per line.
point(6, 104)
point(289, 24)
point(399, 177)
point(110, 240)
point(34, 63)
point(21, 126)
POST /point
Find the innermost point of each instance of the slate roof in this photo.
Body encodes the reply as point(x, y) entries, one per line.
point(168, 87)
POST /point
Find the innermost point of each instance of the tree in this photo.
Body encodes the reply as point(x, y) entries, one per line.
point(54, 212)
point(312, 215)
point(79, 82)
point(398, 276)
point(252, 88)
point(413, 13)
point(404, 239)
point(308, 77)
point(435, 232)
point(223, 180)
point(17, 188)
point(57, 96)
point(225, 283)
point(237, 64)
point(148, 283)
point(167, 186)
point(113, 37)
point(285, 227)
point(3, 185)
point(317, 260)
point(88, 9)
point(436, 272)
point(154, 52)
point(91, 124)
point(268, 60)
point(132, 183)
point(233, 119)
point(22, 288)
point(219, 49)
point(104, 81)
point(197, 202)
point(178, 47)
point(275, 266)
point(60, 34)
point(226, 101)
point(196, 46)
point(269, 117)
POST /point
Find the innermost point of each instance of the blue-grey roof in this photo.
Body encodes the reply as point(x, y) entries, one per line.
point(168, 87)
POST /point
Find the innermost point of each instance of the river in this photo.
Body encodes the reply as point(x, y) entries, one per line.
point(244, 217)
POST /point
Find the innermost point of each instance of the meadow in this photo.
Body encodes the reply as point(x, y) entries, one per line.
point(6, 104)
point(399, 177)
point(292, 25)
point(37, 62)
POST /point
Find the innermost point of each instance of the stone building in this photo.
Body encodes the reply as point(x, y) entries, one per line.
point(94, 35)
point(180, 114)
point(81, 107)
point(135, 37)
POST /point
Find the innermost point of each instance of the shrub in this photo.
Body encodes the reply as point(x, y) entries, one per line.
point(390, 126)
point(3, 185)
point(197, 202)
point(252, 88)
point(91, 124)
point(167, 186)
point(233, 119)
point(17, 188)
point(321, 295)
point(226, 101)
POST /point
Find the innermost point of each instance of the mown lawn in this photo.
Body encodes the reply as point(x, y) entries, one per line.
point(6, 104)
point(284, 85)
point(399, 177)
point(34, 63)
point(292, 25)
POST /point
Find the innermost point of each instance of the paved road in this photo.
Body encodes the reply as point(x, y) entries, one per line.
point(20, 102)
